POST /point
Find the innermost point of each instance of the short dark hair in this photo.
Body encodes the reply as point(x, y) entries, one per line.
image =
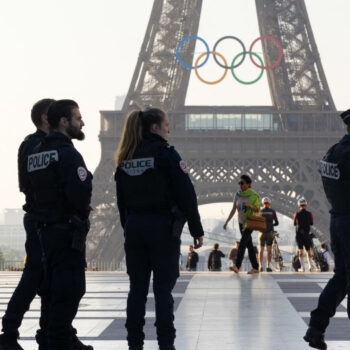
point(247, 179)
point(191, 246)
point(59, 109)
point(41, 107)
point(216, 246)
point(324, 246)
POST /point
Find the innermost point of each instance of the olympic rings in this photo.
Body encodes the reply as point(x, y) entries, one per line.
point(242, 81)
point(182, 42)
point(280, 52)
point(210, 82)
point(233, 65)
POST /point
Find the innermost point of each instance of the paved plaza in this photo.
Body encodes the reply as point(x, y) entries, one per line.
point(220, 311)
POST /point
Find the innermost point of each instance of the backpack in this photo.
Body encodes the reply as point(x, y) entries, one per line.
point(323, 262)
point(296, 262)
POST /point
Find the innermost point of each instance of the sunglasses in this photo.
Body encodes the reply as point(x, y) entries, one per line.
point(241, 183)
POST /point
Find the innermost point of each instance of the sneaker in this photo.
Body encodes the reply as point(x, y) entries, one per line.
point(78, 345)
point(9, 342)
point(253, 271)
point(261, 269)
point(268, 269)
point(234, 268)
point(315, 338)
point(301, 270)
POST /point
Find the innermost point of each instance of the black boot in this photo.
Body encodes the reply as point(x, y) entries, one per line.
point(78, 345)
point(315, 338)
point(9, 342)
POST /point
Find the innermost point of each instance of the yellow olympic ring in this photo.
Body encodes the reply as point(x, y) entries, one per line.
point(210, 82)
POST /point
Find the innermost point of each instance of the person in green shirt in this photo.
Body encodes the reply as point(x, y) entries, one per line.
point(250, 206)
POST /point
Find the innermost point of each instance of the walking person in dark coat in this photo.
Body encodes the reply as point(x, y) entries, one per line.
point(214, 259)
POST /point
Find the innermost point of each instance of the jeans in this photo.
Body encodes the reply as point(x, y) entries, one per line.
point(64, 284)
point(149, 247)
point(29, 285)
point(338, 286)
point(246, 242)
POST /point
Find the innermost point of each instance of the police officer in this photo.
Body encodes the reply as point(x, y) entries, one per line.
point(266, 238)
point(335, 172)
point(62, 188)
point(29, 284)
point(152, 182)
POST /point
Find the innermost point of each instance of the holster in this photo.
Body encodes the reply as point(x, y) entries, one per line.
point(179, 221)
point(81, 229)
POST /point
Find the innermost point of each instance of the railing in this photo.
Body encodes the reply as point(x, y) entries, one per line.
point(16, 265)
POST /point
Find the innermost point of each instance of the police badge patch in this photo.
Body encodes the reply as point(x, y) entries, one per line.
point(183, 166)
point(82, 173)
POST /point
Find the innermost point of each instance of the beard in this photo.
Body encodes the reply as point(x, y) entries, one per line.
point(75, 133)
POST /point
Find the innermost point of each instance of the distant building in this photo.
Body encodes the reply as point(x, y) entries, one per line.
point(12, 234)
point(118, 102)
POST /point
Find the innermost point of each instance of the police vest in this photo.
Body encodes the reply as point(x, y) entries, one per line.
point(42, 167)
point(335, 177)
point(27, 146)
point(145, 186)
point(267, 213)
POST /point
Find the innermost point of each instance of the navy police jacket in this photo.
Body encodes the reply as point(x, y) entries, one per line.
point(26, 147)
point(157, 178)
point(61, 183)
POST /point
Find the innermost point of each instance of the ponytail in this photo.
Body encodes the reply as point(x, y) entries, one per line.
point(131, 137)
point(136, 127)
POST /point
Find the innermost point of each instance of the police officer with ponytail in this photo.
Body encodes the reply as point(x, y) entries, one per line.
point(155, 197)
point(335, 172)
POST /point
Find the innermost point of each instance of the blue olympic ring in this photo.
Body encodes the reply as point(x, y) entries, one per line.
point(183, 64)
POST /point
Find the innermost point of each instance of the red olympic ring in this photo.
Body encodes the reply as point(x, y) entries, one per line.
point(279, 47)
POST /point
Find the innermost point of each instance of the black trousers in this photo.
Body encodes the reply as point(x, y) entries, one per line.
point(28, 286)
point(338, 286)
point(149, 248)
point(246, 242)
point(63, 286)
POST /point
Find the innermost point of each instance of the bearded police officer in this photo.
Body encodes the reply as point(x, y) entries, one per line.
point(155, 197)
point(62, 188)
point(335, 172)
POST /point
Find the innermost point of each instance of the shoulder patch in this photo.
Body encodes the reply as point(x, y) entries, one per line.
point(329, 170)
point(183, 166)
point(82, 173)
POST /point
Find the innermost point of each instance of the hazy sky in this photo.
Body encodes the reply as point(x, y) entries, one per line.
point(87, 50)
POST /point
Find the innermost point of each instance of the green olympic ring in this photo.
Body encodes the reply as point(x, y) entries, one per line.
point(242, 81)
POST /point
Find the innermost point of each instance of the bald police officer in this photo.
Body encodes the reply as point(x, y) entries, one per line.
point(335, 172)
point(62, 188)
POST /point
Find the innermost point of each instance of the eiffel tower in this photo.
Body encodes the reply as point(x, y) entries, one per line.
point(278, 145)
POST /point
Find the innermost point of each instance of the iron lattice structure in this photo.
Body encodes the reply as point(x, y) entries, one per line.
point(283, 160)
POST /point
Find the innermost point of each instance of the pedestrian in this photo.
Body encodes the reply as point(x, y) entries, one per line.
point(335, 172)
point(192, 259)
point(153, 191)
point(214, 259)
point(29, 284)
point(266, 237)
point(325, 259)
point(247, 202)
point(303, 219)
point(62, 189)
point(232, 255)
